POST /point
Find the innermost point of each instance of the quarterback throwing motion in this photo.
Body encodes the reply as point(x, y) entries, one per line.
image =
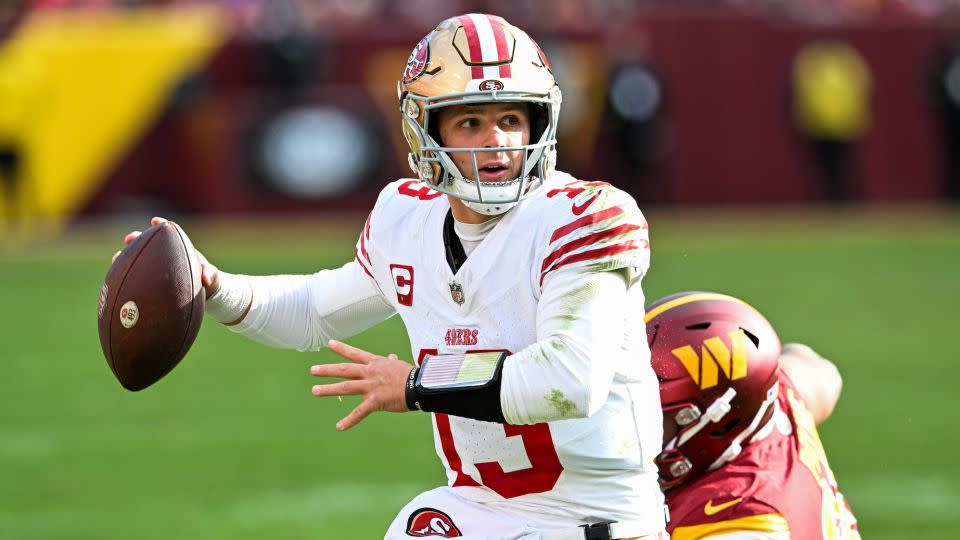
point(519, 287)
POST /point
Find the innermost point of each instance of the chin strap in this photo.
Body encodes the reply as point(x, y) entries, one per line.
point(717, 410)
point(735, 447)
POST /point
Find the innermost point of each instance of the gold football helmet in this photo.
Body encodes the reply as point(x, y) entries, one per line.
point(477, 58)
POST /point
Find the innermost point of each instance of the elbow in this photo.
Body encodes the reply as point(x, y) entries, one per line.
point(584, 393)
point(581, 402)
point(831, 393)
point(594, 400)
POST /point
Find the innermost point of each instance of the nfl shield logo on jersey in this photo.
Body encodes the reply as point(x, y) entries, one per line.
point(456, 292)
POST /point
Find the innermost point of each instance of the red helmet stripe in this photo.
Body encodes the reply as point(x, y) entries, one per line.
point(473, 41)
point(500, 36)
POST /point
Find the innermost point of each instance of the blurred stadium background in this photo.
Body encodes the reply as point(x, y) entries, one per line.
point(803, 155)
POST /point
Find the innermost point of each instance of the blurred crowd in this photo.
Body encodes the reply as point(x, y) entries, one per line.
point(539, 14)
point(844, 100)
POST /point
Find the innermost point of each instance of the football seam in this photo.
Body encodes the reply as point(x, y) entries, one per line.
point(117, 299)
point(193, 295)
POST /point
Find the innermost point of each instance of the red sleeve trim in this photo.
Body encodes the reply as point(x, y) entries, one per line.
point(598, 253)
point(588, 219)
point(356, 256)
point(585, 241)
point(364, 236)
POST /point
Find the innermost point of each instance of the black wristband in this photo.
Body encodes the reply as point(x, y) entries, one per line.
point(477, 402)
point(410, 391)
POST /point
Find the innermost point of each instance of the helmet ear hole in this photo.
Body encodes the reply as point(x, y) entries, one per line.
point(538, 120)
point(753, 337)
point(699, 326)
point(433, 123)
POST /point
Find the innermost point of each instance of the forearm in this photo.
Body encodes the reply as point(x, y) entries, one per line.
point(303, 312)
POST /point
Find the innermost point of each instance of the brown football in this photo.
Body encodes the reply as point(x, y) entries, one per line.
point(151, 306)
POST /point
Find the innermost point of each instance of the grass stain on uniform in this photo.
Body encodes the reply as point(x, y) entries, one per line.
point(560, 403)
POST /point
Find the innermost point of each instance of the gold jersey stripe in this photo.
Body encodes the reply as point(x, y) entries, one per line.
point(686, 300)
point(762, 523)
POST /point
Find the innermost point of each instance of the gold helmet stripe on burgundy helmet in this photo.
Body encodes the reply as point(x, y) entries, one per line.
point(685, 298)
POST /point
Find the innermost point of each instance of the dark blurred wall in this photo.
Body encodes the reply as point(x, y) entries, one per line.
point(724, 132)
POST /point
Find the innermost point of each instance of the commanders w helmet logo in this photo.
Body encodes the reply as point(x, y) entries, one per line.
point(714, 354)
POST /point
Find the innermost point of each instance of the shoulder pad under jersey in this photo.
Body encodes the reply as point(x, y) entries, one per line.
point(591, 225)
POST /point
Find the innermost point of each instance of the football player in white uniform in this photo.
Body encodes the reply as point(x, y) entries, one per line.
point(519, 287)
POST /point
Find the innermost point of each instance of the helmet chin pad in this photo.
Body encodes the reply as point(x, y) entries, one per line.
point(497, 199)
point(489, 209)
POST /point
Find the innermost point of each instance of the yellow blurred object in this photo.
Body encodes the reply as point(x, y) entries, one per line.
point(84, 85)
point(832, 86)
point(21, 86)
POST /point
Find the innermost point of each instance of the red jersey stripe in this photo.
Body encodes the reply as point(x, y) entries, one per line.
point(586, 241)
point(588, 219)
point(363, 238)
point(473, 41)
point(450, 451)
point(503, 55)
point(356, 257)
point(592, 254)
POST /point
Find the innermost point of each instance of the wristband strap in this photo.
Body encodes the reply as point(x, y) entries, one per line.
point(465, 385)
point(411, 390)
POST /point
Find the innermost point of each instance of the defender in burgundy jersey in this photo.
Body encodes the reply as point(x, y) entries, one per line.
point(742, 457)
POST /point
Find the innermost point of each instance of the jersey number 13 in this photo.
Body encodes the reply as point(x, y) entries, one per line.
point(540, 476)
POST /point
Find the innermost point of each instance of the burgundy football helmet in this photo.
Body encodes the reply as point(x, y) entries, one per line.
point(716, 358)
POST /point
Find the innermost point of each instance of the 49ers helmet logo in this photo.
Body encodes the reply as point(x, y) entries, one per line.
point(491, 84)
point(431, 522)
point(417, 63)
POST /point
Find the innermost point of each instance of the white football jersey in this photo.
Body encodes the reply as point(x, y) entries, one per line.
point(565, 471)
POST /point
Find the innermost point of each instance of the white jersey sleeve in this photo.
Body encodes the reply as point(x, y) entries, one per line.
point(593, 227)
point(595, 251)
point(568, 371)
point(304, 312)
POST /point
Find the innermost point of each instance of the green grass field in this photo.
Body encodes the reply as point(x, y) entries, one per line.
point(232, 444)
